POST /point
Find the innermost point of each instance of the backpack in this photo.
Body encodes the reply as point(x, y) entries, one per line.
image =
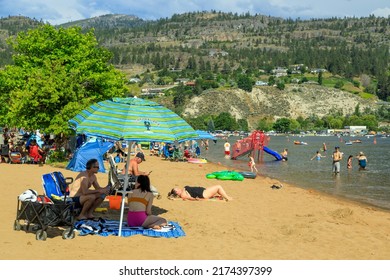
point(55, 184)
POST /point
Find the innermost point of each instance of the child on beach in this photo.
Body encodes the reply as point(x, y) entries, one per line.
point(284, 155)
point(252, 163)
point(227, 149)
point(349, 162)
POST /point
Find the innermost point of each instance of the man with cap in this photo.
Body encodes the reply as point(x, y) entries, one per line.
point(337, 157)
point(133, 167)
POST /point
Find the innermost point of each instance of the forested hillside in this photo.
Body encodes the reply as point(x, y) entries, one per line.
point(208, 52)
point(222, 42)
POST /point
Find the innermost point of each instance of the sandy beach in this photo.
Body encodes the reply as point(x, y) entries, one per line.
point(260, 223)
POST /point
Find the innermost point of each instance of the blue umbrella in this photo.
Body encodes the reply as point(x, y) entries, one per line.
point(205, 135)
point(132, 119)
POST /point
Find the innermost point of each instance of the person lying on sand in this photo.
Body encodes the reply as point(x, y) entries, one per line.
point(198, 193)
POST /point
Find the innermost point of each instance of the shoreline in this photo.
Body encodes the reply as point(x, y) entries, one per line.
point(290, 223)
point(344, 198)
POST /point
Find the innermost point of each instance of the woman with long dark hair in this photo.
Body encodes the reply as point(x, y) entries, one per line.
point(140, 206)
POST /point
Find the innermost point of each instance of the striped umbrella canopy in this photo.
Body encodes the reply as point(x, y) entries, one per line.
point(132, 119)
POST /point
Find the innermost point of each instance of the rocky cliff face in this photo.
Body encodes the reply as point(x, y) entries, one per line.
point(292, 102)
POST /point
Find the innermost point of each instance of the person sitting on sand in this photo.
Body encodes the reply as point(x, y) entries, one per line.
point(198, 193)
point(35, 152)
point(84, 197)
point(140, 206)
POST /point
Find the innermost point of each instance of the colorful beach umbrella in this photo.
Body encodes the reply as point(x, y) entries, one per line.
point(205, 135)
point(132, 119)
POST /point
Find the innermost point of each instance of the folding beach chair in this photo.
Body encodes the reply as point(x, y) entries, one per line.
point(117, 181)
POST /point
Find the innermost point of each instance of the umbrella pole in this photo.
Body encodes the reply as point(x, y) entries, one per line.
point(124, 192)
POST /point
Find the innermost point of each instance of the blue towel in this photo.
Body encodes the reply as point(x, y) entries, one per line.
point(111, 227)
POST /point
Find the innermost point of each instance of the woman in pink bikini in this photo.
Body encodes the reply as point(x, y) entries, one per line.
point(140, 206)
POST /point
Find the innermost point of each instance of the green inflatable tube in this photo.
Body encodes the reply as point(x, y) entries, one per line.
point(226, 175)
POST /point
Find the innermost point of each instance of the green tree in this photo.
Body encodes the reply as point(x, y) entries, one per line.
point(339, 84)
point(244, 83)
point(282, 125)
point(370, 121)
point(243, 125)
point(56, 74)
point(320, 78)
point(294, 126)
point(180, 96)
point(225, 121)
point(280, 85)
point(271, 80)
point(264, 124)
point(210, 125)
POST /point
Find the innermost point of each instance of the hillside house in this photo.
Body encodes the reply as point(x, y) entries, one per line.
point(134, 80)
point(261, 83)
point(217, 53)
point(318, 70)
point(279, 71)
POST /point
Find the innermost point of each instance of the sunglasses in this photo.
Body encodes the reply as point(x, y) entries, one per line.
point(95, 166)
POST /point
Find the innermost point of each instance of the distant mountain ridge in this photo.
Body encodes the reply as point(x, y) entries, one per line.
point(251, 42)
point(106, 22)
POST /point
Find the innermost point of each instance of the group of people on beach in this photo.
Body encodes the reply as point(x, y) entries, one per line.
point(337, 157)
point(87, 194)
point(21, 146)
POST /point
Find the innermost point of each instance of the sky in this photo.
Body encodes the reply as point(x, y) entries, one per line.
point(59, 11)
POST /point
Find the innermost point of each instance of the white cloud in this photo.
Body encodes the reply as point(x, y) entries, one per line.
point(59, 11)
point(381, 12)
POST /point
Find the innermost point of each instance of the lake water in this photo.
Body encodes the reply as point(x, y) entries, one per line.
point(371, 186)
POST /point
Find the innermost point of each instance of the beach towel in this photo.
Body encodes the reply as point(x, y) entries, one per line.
point(104, 227)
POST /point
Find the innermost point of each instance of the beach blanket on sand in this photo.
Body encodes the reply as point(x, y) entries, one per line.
point(111, 227)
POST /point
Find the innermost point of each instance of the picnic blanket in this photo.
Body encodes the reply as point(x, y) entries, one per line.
point(105, 227)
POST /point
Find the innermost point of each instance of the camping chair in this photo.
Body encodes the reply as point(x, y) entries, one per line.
point(177, 154)
point(117, 181)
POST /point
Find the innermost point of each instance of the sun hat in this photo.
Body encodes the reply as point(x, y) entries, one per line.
point(361, 153)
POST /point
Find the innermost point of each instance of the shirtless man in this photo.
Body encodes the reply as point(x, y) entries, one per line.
point(337, 157)
point(84, 197)
point(134, 162)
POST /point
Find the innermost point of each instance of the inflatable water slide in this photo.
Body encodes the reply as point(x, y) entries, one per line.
point(272, 152)
point(257, 141)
